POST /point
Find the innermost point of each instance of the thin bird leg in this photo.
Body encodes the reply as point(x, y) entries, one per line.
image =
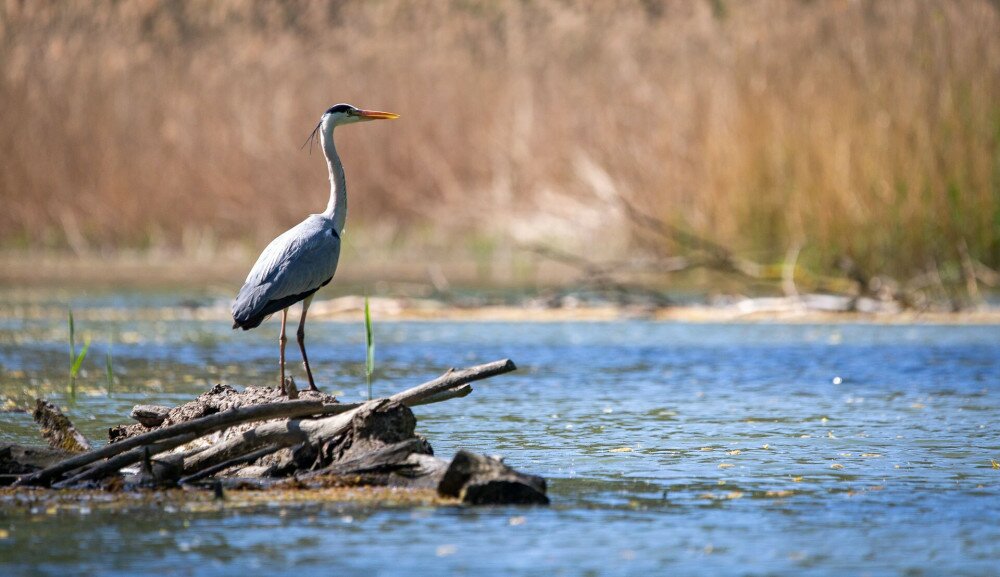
point(282, 339)
point(301, 334)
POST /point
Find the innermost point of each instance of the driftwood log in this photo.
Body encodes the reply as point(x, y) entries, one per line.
point(199, 427)
point(316, 441)
point(319, 431)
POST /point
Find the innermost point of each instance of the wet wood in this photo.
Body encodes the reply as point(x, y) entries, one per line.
point(241, 460)
point(131, 457)
point(202, 426)
point(451, 380)
point(481, 480)
point(454, 393)
point(321, 431)
point(57, 429)
point(385, 460)
point(218, 399)
point(315, 443)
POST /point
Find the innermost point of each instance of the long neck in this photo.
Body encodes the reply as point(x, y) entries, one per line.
point(336, 209)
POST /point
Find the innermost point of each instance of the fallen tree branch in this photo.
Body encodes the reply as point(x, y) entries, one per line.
point(241, 460)
point(455, 393)
point(201, 426)
point(316, 431)
point(390, 456)
point(452, 379)
point(114, 464)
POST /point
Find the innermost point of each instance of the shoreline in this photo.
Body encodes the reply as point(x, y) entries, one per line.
point(351, 309)
point(41, 285)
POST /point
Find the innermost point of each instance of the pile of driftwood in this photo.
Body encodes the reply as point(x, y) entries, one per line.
point(257, 438)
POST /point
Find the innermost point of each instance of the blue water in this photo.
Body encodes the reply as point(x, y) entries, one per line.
point(670, 448)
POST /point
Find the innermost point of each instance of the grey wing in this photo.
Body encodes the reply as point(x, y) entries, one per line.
point(292, 267)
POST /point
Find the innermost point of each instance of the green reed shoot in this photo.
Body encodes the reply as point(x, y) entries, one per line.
point(370, 347)
point(110, 372)
point(75, 361)
point(72, 340)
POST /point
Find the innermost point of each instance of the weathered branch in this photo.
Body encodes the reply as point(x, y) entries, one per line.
point(389, 456)
point(316, 431)
point(242, 459)
point(455, 393)
point(200, 427)
point(451, 380)
point(114, 464)
point(265, 438)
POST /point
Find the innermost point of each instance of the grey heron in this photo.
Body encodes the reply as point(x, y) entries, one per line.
point(304, 258)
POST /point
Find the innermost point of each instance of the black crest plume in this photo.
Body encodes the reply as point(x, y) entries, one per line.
point(312, 137)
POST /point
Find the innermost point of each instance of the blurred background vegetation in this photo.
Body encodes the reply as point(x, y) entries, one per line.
point(866, 130)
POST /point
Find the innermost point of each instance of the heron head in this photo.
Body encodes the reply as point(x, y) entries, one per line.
point(346, 114)
point(340, 114)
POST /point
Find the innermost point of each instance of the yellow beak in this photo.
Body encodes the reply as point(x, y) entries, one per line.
point(376, 115)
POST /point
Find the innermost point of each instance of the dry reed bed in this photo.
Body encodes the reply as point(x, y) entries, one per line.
point(864, 128)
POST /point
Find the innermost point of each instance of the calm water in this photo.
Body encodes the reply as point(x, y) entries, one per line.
point(743, 449)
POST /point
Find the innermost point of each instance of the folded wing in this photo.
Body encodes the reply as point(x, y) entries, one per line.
point(292, 267)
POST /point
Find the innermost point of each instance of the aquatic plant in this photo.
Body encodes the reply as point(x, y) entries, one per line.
point(109, 371)
point(75, 361)
point(370, 349)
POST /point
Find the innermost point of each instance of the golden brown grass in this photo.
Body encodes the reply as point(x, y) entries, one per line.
point(866, 128)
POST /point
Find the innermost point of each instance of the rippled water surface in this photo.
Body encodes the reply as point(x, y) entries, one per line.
point(737, 449)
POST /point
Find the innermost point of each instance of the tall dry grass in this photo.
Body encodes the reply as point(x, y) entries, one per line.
point(865, 128)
